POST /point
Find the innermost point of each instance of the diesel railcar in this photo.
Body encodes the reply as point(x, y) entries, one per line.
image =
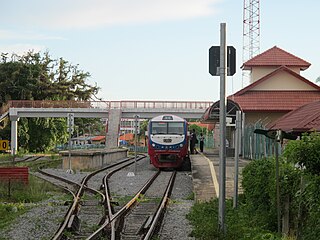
point(168, 141)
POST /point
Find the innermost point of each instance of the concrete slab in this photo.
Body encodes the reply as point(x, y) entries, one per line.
point(205, 174)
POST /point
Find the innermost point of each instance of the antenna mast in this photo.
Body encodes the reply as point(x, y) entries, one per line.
point(251, 33)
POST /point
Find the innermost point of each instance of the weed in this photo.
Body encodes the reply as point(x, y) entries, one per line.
point(190, 196)
point(35, 191)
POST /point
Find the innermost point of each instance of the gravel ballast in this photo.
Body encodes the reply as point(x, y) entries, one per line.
point(124, 183)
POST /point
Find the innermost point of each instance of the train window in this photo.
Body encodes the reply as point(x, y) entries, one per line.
point(167, 118)
point(167, 128)
point(158, 128)
point(175, 128)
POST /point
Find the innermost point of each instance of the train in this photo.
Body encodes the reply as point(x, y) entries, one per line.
point(168, 141)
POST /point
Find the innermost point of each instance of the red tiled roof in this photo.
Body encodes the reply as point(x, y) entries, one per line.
point(305, 118)
point(268, 76)
point(274, 101)
point(127, 137)
point(98, 138)
point(276, 57)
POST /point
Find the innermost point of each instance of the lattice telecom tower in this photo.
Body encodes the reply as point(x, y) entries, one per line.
point(251, 32)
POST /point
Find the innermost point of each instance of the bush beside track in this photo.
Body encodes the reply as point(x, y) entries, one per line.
point(24, 196)
point(256, 215)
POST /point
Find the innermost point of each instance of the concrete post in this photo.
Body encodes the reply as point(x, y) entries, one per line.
point(113, 128)
point(14, 134)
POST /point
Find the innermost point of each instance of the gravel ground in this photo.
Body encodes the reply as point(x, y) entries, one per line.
point(40, 222)
point(175, 226)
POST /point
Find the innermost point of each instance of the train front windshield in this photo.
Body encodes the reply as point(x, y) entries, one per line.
point(167, 128)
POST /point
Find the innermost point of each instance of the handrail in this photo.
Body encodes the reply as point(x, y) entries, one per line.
point(106, 104)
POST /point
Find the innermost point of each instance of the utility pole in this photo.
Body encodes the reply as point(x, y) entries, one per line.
point(222, 123)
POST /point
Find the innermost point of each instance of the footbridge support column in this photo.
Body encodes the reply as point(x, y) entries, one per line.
point(113, 128)
point(14, 134)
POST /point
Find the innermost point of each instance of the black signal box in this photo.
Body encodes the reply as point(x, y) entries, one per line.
point(214, 60)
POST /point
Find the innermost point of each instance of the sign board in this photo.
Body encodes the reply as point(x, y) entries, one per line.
point(4, 144)
point(71, 122)
point(214, 60)
point(136, 123)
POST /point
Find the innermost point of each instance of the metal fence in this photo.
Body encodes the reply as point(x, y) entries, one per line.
point(256, 146)
point(140, 149)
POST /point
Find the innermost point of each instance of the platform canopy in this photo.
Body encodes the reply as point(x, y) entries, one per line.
point(211, 114)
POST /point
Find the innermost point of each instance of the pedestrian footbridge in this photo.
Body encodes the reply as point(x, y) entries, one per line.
point(113, 111)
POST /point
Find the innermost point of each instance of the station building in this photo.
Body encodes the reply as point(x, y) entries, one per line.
point(276, 88)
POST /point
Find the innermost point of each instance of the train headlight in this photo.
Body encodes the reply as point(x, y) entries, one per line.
point(181, 145)
point(153, 145)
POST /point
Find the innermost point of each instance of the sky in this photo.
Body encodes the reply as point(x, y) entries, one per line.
point(156, 49)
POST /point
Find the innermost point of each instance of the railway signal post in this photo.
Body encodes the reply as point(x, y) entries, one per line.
point(136, 121)
point(70, 129)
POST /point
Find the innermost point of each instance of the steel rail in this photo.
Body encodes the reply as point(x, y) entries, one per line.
point(108, 195)
point(75, 206)
point(126, 207)
point(26, 159)
point(161, 207)
point(92, 190)
point(69, 190)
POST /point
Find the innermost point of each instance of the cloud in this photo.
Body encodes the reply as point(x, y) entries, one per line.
point(99, 13)
point(13, 35)
point(21, 49)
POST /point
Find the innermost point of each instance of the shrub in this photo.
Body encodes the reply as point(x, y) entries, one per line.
point(259, 191)
point(204, 218)
point(305, 152)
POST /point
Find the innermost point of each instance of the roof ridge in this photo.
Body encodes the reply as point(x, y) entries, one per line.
point(291, 54)
point(264, 78)
point(276, 56)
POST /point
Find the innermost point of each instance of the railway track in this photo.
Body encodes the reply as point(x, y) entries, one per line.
point(29, 158)
point(139, 217)
point(87, 211)
point(144, 218)
point(57, 180)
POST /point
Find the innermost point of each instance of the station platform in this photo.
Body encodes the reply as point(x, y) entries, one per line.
point(205, 175)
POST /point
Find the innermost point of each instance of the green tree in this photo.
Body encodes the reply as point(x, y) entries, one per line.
point(197, 128)
point(144, 127)
point(36, 76)
point(305, 152)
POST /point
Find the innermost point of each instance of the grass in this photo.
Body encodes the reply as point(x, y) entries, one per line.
point(6, 158)
point(55, 162)
point(14, 205)
point(204, 218)
point(9, 212)
point(121, 200)
point(190, 196)
point(35, 191)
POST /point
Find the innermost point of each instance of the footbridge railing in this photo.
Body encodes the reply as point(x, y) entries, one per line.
point(106, 104)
